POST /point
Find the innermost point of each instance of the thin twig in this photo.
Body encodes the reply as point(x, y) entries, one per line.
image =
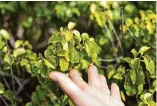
point(122, 18)
point(4, 100)
point(133, 36)
point(22, 86)
point(116, 35)
point(11, 70)
point(6, 83)
point(8, 75)
point(113, 45)
point(110, 60)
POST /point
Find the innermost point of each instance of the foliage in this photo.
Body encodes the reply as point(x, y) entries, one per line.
point(119, 37)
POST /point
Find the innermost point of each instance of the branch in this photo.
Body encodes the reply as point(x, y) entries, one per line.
point(110, 60)
point(4, 100)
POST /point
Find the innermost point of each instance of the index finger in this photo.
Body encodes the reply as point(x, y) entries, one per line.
point(66, 84)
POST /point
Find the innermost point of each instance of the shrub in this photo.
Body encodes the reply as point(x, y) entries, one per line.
point(119, 37)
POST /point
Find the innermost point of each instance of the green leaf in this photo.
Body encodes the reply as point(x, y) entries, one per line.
point(9, 95)
point(29, 104)
point(129, 88)
point(5, 49)
point(64, 64)
point(127, 59)
point(71, 25)
point(61, 53)
point(90, 47)
point(74, 55)
point(121, 70)
point(146, 96)
point(4, 34)
point(143, 49)
point(110, 73)
point(18, 44)
point(133, 76)
point(6, 58)
point(135, 64)
point(118, 76)
point(24, 62)
point(77, 36)
point(44, 71)
point(56, 37)
point(150, 65)
point(68, 35)
point(140, 88)
point(70, 103)
point(122, 95)
point(2, 43)
point(153, 87)
point(49, 51)
point(85, 36)
point(41, 93)
point(27, 44)
point(1, 88)
point(134, 52)
point(48, 64)
point(140, 77)
point(65, 46)
point(18, 52)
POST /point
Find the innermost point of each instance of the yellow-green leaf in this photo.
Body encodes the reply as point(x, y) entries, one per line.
point(19, 51)
point(71, 25)
point(143, 49)
point(64, 64)
point(122, 95)
point(1, 88)
point(4, 34)
point(48, 64)
point(18, 43)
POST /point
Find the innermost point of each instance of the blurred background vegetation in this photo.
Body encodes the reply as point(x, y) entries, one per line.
point(117, 28)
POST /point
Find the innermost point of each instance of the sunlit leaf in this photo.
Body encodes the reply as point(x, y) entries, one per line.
point(122, 95)
point(134, 52)
point(135, 64)
point(56, 37)
point(133, 74)
point(18, 43)
point(18, 52)
point(84, 36)
point(143, 49)
point(71, 25)
point(48, 64)
point(63, 64)
point(140, 88)
point(4, 34)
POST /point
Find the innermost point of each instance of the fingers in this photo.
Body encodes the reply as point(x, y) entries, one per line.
point(104, 85)
point(115, 91)
point(67, 85)
point(76, 78)
point(93, 75)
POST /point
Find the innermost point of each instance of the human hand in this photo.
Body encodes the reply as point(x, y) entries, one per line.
point(95, 93)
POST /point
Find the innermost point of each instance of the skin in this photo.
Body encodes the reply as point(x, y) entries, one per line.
point(94, 93)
